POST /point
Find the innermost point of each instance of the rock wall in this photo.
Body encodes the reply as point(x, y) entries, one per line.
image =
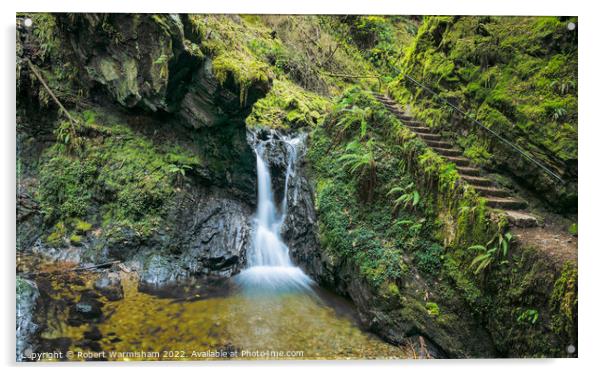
point(153, 73)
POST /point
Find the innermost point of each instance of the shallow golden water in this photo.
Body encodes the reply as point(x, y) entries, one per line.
point(142, 326)
point(257, 326)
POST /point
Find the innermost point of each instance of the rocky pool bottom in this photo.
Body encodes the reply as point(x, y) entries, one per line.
point(107, 315)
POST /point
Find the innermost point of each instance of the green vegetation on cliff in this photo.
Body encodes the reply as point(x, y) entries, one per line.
point(518, 76)
point(360, 173)
point(395, 209)
point(119, 179)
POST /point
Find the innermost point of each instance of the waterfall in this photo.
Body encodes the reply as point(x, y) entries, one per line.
point(269, 264)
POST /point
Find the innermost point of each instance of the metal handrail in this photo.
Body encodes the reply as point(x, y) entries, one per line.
point(496, 135)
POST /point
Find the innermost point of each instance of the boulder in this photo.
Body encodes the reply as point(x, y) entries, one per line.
point(87, 310)
point(27, 295)
point(109, 285)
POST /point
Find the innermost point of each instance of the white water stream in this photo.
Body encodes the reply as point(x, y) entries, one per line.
point(269, 264)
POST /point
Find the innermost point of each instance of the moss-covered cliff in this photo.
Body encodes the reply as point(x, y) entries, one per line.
point(518, 76)
point(395, 214)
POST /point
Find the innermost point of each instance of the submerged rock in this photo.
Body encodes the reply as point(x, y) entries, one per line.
point(86, 310)
point(109, 285)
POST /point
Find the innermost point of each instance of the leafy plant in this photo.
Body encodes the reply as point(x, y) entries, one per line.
point(408, 196)
point(179, 171)
point(428, 259)
point(433, 308)
point(563, 88)
point(497, 247)
point(359, 159)
point(529, 315)
point(414, 227)
point(559, 113)
point(352, 117)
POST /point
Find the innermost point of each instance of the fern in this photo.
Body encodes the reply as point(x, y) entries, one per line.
point(498, 246)
point(408, 196)
point(359, 159)
point(353, 117)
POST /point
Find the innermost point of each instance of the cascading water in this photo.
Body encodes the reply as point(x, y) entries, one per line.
point(269, 263)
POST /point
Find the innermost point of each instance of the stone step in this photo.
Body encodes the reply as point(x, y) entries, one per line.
point(469, 171)
point(505, 203)
point(449, 152)
point(406, 118)
point(522, 219)
point(412, 124)
point(491, 191)
point(496, 198)
point(476, 181)
point(458, 161)
point(438, 144)
point(429, 136)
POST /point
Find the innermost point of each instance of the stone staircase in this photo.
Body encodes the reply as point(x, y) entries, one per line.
point(495, 197)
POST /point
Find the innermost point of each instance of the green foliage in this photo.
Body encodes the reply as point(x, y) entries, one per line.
point(125, 178)
point(66, 186)
point(573, 229)
point(223, 38)
point(355, 116)
point(75, 240)
point(380, 39)
point(44, 30)
point(563, 301)
point(429, 260)
point(359, 160)
point(81, 226)
point(407, 196)
point(517, 75)
point(529, 316)
point(433, 309)
point(67, 135)
point(56, 238)
point(496, 248)
point(288, 106)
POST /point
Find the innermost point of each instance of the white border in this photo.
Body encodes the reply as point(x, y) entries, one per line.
point(590, 209)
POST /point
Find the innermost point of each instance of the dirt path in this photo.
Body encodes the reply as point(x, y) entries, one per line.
point(550, 239)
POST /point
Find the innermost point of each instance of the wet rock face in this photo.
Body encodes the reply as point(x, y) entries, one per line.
point(154, 62)
point(208, 103)
point(127, 54)
point(27, 295)
point(209, 238)
point(216, 235)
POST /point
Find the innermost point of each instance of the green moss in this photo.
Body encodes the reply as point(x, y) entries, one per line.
point(125, 178)
point(429, 259)
point(81, 226)
point(224, 40)
point(289, 106)
point(45, 31)
point(573, 229)
point(75, 240)
point(56, 238)
point(563, 301)
point(433, 309)
point(245, 71)
point(517, 75)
